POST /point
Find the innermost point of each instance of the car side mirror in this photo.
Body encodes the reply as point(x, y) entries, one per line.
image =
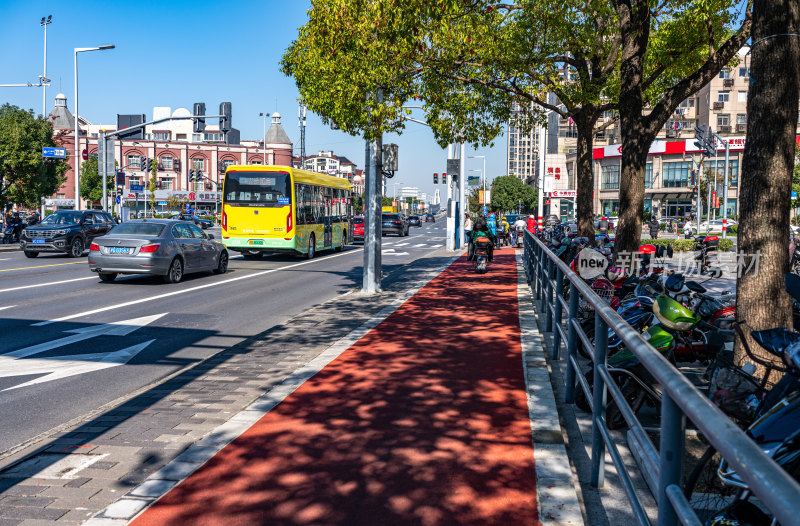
point(210, 236)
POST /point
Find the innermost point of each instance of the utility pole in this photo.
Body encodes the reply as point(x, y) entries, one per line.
point(373, 176)
point(301, 115)
point(540, 206)
point(45, 80)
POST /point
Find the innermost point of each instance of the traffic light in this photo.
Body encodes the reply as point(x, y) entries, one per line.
point(145, 165)
point(225, 119)
point(150, 165)
point(198, 175)
point(119, 190)
point(199, 123)
point(191, 175)
point(176, 164)
point(435, 178)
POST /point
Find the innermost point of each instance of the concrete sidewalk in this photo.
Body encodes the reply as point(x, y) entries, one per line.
point(485, 402)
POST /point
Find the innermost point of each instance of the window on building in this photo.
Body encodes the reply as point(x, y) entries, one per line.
point(134, 161)
point(166, 162)
point(165, 183)
point(214, 137)
point(731, 207)
point(61, 196)
point(134, 180)
point(226, 163)
point(741, 118)
point(255, 162)
point(199, 163)
point(609, 207)
point(688, 103)
point(725, 74)
point(197, 137)
point(648, 176)
point(160, 136)
point(723, 96)
point(180, 137)
point(741, 96)
point(744, 72)
point(676, 174)
point(719, 168)
point(609, 178)
point(723, 119)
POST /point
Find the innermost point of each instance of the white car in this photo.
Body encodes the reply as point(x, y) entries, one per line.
point(715, 227)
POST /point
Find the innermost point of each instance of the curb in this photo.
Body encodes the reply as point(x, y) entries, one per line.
point(556, 488)
point(181, 467)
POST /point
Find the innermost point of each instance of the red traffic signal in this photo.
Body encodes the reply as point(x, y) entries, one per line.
point(435, 178)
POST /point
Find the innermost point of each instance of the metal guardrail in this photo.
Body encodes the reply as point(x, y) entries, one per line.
point(776, 489)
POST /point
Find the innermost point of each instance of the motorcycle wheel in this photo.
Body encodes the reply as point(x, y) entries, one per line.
point(703, 488)
point(635, 398)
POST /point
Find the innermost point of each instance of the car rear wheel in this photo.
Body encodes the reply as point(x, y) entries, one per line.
point(175, 272)
point(108, 277)
point(222, 266)
point(31, 254)
point(311, 247)
point(76, 248)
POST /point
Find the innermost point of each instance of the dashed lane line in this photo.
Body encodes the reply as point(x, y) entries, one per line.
point(48, 284)
point(43, 266)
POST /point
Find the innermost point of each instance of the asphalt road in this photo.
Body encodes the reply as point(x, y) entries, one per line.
point(70, 343)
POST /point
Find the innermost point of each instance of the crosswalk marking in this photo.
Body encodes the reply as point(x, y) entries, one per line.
point(401, 244)
point(421, 245)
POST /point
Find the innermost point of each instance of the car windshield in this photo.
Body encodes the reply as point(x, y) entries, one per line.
point(257, 188)
point(63, 218)
point(138, 229)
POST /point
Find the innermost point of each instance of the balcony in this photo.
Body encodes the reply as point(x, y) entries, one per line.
point(741, 127)
point(718, 105)
point(728, 83)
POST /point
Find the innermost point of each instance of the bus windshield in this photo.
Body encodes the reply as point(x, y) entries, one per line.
point(257, 188)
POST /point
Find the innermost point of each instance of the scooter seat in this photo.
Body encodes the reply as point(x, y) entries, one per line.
point(775, 340)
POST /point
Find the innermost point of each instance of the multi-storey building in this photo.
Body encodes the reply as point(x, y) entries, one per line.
point(522, 148)
point(326, 162)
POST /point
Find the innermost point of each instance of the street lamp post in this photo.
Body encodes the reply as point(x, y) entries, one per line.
point(45, 21)
point(77, 127)
point(264, 137)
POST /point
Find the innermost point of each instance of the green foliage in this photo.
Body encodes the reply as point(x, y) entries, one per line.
point(508, 191)
point(26, 176)
point(386, 201)
point(177, 202)
point(152, 186)
point(733, 230)
point(683, 245)
point(91, 186)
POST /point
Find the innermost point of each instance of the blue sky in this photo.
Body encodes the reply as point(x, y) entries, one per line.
point(174, 53)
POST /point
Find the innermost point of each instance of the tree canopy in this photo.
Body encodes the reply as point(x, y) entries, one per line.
point(91, 186)
point(25, 175)
point(508, 191)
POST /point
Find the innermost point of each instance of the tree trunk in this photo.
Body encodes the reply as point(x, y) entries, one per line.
point(635, 24)
point(584, 181)
point(767, 171)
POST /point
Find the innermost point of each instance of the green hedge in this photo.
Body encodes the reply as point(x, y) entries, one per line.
point(683, 245)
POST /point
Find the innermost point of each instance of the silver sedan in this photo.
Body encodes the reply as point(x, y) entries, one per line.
point(159, 247)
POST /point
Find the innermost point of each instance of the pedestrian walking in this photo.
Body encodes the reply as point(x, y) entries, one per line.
point(467, 226)
point(654, 227)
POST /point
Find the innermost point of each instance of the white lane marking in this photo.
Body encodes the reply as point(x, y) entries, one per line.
point(65, 366)
point(7, 307)
point(401, 244)
point(421, 245)
point(48, 284)
point(117, 328)
point(4, 259)
point(191, 289)
point(436, 246)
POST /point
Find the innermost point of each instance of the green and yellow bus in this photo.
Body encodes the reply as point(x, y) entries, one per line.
point(268, 209)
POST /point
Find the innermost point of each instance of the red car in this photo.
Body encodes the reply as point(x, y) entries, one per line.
point(358, 228)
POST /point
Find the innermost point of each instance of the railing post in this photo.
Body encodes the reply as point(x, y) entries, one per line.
point(545, 273)
point(537, 250)
point(572, 341)
point(558, 313)
point(671, 453)
point(548, 313)
point(599, 401)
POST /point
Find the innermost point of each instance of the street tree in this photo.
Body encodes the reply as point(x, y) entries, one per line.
point(177, 202)
point(508, 191)
point(25, 175)
point(152, 186)
point(468, 63)
point(91, 186)
point(767, 168)
point(670, 49)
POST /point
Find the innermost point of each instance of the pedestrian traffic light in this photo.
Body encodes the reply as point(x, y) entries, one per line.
point(119, 190)
point(435, 178)
point(199, 123)
point(225, 119)
point(145, 165)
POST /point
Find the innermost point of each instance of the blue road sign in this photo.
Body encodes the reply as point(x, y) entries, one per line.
point(485, 210)
point(119, 200)
point(137, 188)
point(56, 153)
point(794, 195)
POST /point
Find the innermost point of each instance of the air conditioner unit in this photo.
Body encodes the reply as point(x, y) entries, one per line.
point(728, 83)
point(725, 129)
point(672, 133)
point(741, 127)
point(718, 105)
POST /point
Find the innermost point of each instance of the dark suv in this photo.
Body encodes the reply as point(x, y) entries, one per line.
point(67, 231)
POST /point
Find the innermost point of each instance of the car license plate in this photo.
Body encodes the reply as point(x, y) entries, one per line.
point(387, 224)
point(256, 241)
point(38, 241)
point(118, 250)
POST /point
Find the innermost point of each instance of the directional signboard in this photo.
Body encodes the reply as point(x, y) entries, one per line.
point(54, 153)
point(137, 188)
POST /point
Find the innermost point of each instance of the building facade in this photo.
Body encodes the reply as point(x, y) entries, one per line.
point(175, 149)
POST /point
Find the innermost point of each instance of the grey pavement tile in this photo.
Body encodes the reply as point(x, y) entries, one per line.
point(10, 522)
point(76, 516)
point(28, 501)
point(77, 482)
point(22, 489)
point(70, 493)
point(50, 514)
point(153, 488)
point(124, 509)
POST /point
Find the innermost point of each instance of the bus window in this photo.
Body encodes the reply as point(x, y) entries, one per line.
point(257, 188)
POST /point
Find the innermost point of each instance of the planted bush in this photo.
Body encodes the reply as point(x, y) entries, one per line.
point(684, 245)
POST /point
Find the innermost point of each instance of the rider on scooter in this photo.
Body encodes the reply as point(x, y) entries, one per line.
point(480, 229)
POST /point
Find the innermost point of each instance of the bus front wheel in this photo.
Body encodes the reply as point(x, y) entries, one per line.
point(311, 247)
point(344, 242)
